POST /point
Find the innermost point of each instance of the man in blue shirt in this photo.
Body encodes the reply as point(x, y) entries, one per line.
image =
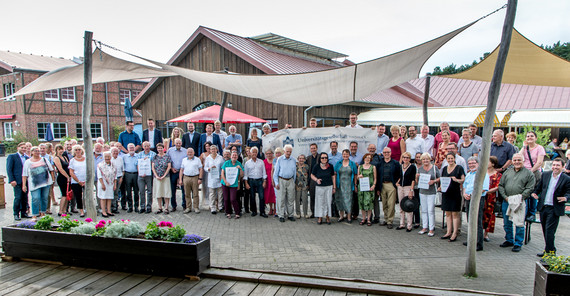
point(130, 165)
point(334, 155)
point(233, 139)
point(473, 164)
point(177, 154)
point(129, 137)
point(144, 180)
point(284, 178)
point(382, 140)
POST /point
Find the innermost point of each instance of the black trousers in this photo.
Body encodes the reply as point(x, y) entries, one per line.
point(479, 220)
point(256, 186)
point(416, 219)
point(312, 186)
point(78, 194)
point(549, 222)
point(131, 185)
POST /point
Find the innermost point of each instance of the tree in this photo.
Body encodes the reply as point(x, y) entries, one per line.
point(561, 50)
point(453, 69)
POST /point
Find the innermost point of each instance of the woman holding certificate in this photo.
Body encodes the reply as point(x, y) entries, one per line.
point(345, 171)
point(406, 190)
point(367, 182)
point(232, 171)
point(452, 176)
point(426, 177)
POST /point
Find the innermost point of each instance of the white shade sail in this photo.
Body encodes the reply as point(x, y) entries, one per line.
point(341, 85)
point(456, 116)
point(545, 117)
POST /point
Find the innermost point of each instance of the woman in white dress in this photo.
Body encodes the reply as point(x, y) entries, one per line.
point(107, 184)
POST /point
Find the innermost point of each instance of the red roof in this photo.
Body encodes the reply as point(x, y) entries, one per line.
point(461, 92)
point(405, 95)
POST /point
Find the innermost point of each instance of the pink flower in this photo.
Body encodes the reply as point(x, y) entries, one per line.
point(75, 220)
point(102, 222)
point(88, 220)
point(64, 215)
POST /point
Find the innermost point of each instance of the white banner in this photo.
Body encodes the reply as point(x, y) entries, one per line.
point(301, 139)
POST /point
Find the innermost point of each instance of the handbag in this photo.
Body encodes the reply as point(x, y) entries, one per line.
point(69, 192)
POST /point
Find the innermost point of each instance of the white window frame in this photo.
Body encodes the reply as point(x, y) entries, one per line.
point(9, 90)
point(51, 126)
point(93, 125)
point(11, 127)
point(67, 100)
point(130, 95)
point(52, 99)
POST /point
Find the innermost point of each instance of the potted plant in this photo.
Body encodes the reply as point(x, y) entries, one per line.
point(162, 248)
point(552, 275)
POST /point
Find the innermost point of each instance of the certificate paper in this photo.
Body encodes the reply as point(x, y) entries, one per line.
point(231, 175)
point(364, 184)
point(214, 175)
point(445, 181)
point(144, 167)
point(423, 182)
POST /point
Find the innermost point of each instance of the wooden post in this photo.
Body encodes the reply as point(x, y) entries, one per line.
point(426, 98)
point(87, 141)
point(2, 195)
point(494, 89)
point(224, 99)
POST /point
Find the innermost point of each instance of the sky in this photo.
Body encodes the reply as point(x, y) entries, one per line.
point(362, 29)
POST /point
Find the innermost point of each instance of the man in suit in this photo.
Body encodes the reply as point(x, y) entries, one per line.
point(191, 139)
point(209, 136)
point(552, 193)
point(152, 135)
point(14, 166)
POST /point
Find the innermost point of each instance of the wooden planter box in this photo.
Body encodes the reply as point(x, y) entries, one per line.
point(550, 283)
point(120, 254)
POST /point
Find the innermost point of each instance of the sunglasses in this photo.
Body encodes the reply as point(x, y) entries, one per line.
point(324, 158)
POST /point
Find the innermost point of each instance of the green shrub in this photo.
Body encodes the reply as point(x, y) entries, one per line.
point(85, 228)
point(542, 137)
point(65, 224)
point(12, 145)
point(175, 234)
point(44, 223)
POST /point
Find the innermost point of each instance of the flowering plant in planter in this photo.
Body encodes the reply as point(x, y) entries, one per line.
point(558, 264)
point(164, 230)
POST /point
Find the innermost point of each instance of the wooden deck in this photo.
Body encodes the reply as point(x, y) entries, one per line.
point(28, 278)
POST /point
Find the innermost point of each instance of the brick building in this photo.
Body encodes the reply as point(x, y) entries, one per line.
point(61, 108)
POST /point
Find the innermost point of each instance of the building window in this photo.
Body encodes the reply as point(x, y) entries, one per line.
point(96, 130)
point(9, 89)
point(59, 130)
point(8, 131)
point(67, 94)
point(135, 93)
point(124, 94)
point(51, 95)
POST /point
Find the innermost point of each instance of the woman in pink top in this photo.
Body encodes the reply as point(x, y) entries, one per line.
point(533, 155)
point(396, 143)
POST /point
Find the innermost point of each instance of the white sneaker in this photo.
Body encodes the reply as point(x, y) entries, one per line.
point(187, 210)
point(197, 211)
point(297, 216)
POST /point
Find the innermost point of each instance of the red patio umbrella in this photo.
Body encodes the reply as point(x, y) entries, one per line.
point(212, 113)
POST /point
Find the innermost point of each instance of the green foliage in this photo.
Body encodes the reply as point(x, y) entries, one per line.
point(12, 145)
point(543, 137)
point(44, 223)
point(123, 229)
point(154, 232)
point(65, 139)
point(561, 50)
point(559, 264)
point(65, 224)
point(85, 228)
point(453, 69)
point(117, 129)
point(175, 234)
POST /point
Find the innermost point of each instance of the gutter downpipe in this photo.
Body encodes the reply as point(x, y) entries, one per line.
point(305, 114)
point(107, 107)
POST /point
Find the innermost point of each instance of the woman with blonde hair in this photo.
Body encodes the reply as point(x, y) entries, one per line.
point(405, 188)
point(404, 132)
point(396, 143)
point(176, 134)
point(427, 196)
point(78, 173)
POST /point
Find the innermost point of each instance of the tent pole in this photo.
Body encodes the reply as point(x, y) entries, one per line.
point(494, 89)
point(305, 115)
point(224, 99)
point(426, 97)
point(86, 120)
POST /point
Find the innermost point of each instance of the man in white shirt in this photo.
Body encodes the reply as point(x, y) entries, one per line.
point(353, 118)
point(428, 141)
point(255, 181)
point(145, 178)
point(218, 130)
point(414, 144)
point(452, 147)
point(191, 177)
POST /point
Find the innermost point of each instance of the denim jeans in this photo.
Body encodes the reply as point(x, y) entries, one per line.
point(40, 200)
point(508, 227)
point(20, 201)
point(531, 204)
point(256, 185)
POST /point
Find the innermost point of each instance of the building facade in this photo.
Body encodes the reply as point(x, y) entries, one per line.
point(59, 109)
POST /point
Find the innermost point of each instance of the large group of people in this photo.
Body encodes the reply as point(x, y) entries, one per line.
point(237, 177)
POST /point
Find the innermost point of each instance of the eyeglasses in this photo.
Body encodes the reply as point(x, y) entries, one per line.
point(324, 158)
point(405, 157)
